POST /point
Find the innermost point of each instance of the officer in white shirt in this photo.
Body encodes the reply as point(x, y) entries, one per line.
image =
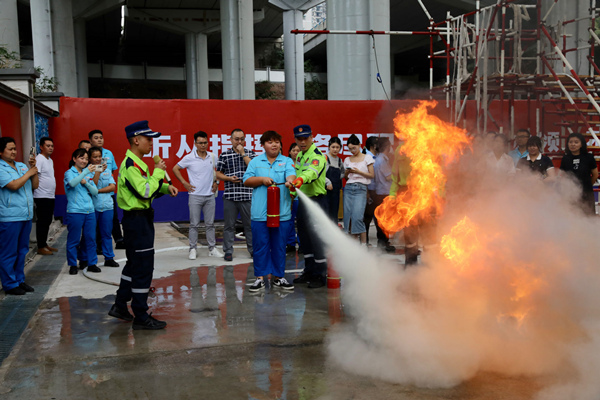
point(43, 196)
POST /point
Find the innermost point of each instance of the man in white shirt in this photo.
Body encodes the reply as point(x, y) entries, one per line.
point(200, 165)
point(43, 196)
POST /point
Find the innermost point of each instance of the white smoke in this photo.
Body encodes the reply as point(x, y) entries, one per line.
point(436, 325)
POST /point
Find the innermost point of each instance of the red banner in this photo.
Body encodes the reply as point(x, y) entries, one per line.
point(178, 120)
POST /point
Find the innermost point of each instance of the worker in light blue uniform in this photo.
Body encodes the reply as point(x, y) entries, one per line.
point(268, 244)
point(104, 205)
point(81, 216)
point(17, 183)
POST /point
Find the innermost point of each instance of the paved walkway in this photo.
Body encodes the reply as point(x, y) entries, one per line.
point(221, 341)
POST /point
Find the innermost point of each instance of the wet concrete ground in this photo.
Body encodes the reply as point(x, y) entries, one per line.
point(221, 342)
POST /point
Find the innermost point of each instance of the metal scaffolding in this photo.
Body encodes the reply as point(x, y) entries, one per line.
point(509, 51)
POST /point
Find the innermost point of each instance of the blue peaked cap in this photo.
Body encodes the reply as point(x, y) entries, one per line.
point(140, 128)
point(302, 131)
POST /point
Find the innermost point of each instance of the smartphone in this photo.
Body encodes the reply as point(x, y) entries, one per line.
point(99, 168)
point(104, 160)
point(32, 152)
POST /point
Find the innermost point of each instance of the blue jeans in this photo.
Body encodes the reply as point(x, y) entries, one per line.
point(269, 248)
point(13, 250)
point(355, 200)
point(104, 220)
point(82, 228)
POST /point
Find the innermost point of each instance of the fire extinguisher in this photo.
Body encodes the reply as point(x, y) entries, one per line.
point(273, 206)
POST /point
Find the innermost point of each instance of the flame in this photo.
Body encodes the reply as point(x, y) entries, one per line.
point(511, 286)
point(461, 243)
point(428, 141)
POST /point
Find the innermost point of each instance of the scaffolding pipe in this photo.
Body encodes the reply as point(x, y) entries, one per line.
point(493, 17)
point(570, 98)
point(478, 92)
point(425, 10)
point(346, 32)
point(549, 10)
point(502, 51)
point(574, 75)
point(592, 48)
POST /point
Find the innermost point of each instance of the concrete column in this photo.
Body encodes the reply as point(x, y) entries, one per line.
point(43, 46)
point(81, 56)
point(191, 65)
point(293, 47)
point(348, 56)
point(202, 65)
point(196, 62)
point(237, 37)
point(380, 20)
point(64, 46)
point(9, 26)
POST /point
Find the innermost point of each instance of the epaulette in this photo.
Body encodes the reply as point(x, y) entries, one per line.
point(129, 162)
point(318, 151)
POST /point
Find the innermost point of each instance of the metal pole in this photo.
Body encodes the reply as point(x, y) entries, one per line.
point(568, 95)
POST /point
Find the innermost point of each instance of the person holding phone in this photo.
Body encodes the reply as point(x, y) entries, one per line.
point(97, 140)
point(81, 218)
point(359, 173)
point(103, 204)
point(17, 183)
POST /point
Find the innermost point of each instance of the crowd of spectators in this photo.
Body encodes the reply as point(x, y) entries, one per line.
point(362, 180)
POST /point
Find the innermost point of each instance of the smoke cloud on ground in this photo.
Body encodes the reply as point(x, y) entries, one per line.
point(521, 296)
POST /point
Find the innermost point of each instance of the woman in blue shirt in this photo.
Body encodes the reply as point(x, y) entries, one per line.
point(103, 204)
point(81, 216)
point(17, 183)
point(265, 170)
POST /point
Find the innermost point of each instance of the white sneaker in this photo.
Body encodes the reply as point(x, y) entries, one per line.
point(215, 253)
point(192, 255)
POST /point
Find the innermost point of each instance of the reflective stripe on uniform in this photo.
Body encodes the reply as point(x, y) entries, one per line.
point(147, 190)
point(321, 260)
point(140, 290)
point(309, 255)
point(145, 250)
point(126, 278)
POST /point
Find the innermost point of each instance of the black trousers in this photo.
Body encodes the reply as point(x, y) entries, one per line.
point(116, 230)
point(136, 278)
point(315, 261)
point(44, 209)
point(381, 236)
point(369, 212)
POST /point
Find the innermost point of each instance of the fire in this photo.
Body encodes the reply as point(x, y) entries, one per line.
point(511, 286)
point(429, 142)
point(461, 243)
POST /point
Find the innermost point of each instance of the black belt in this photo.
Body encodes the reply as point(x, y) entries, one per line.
point(144, 212)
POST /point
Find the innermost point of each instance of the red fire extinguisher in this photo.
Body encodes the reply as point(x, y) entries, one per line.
point(273, 206)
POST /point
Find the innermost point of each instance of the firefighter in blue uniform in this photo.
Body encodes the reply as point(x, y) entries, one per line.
point(136, 190)
point(310, 179)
